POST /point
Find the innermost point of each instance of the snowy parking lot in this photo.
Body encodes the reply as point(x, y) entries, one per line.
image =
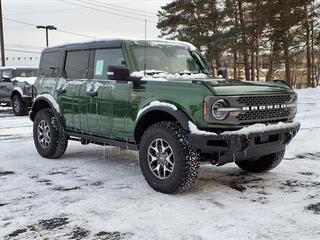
point(96, 192)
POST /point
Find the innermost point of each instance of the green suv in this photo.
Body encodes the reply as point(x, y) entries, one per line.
point(158, 97)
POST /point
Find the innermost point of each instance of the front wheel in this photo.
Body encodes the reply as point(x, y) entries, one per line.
point(19, 107)
point(262, 164)
point(167, 160)
point(48, 137)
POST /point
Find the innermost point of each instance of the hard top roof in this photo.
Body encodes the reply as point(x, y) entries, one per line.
point(112, 43)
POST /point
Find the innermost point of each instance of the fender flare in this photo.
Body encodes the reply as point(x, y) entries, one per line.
point(178, 114)
point(37, 105)
point(17, 90)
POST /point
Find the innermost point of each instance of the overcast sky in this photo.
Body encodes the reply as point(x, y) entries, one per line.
point(95, 19)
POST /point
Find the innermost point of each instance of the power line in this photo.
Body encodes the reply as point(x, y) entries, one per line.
point(42, 12)
point(104, 11)
point(34, 25)
point(122, 9)
point(21, 45)
point(23, 51)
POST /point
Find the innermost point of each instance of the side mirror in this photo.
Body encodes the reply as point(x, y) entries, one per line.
point(118, 73)
point(6, 78)
point(281, 81)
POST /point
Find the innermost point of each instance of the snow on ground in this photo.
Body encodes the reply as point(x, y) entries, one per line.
point(95, 192)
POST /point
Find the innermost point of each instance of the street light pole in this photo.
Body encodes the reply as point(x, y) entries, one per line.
point(3, 60)
point(47, 37)
point(47, 28)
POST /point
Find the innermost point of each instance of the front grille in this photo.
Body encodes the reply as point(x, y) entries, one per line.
point(264, 100)
point(266, 115)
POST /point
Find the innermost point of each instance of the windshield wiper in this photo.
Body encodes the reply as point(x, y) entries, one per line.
point(152, 72)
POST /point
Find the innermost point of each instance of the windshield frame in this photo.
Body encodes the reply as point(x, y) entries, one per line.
point(195, 54)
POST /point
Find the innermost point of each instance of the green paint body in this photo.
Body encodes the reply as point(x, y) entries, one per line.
point(113, 113)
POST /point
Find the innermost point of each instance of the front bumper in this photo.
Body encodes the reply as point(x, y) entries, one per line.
point(241, 145)
point(28, 100)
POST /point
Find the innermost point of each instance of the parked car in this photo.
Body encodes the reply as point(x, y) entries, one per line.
point(158, 97)
point(16, 85)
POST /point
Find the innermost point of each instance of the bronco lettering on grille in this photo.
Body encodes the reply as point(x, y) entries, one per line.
point(256, 108)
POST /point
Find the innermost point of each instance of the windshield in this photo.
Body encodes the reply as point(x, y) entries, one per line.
point(166, 58)
point(25, 72)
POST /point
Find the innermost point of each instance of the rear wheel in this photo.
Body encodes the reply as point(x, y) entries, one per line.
point(263, 164)
point(167, 160)
point(19, 107)
point(49, 138)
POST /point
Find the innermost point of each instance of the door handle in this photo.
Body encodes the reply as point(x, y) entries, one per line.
point(92, 93)
point(61, 90)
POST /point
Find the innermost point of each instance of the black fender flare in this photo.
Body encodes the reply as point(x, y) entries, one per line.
point(15, 91)
point(42, 102)
point(178, 114)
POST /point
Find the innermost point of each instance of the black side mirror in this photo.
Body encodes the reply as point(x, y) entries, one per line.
point(118, 73)
point(6, 79)
point(281, 81)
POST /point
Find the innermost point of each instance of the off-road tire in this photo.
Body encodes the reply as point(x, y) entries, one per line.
point(21, 108)
point(58, 141)
point(186, 158)
point(263, 164)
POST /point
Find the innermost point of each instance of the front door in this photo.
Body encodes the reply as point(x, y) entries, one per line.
point(102, 114)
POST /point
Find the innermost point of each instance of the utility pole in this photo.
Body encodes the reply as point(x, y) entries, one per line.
point(47, 28)
point(3, 57)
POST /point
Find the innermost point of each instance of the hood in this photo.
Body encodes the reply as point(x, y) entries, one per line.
point(29, 80)
point(221, 87)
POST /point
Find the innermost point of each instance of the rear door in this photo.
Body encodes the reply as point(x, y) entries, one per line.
point(75, 75)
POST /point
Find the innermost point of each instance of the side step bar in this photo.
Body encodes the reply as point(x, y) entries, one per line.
point(101, 140)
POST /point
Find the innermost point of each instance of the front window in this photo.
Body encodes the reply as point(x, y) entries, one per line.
point(170, 59)
point(6, 73)
point(25, 72)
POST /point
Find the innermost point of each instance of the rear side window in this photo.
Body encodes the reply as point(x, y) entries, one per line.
point(104, 58)
point(76, 66)
point(49, 64)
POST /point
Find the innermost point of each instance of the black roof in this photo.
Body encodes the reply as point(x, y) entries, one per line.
point(87, 45)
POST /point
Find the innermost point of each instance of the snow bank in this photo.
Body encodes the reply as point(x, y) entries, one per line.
point(156, 104)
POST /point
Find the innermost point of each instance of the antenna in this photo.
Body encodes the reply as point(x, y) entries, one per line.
point(145, 47)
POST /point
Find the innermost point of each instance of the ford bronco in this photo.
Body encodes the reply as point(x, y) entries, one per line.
point(159, 98)
point(16, 88)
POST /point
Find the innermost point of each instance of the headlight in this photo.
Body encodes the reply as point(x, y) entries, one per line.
point(218, 114)
point(28, 90)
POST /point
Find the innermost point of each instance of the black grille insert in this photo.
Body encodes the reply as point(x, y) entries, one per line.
point(265, 114)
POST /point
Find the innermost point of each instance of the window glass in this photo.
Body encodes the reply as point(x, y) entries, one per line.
point(25, 73)
point(49, 64)
point(6, 73)
point(171, 59)
point(76, 66)
point(104, 58)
